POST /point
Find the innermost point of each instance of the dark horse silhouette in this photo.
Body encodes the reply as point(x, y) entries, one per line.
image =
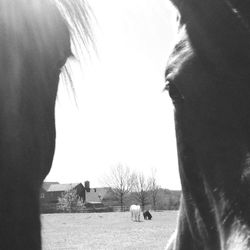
point(147, 215)
point(34, 46)
point(208, 78)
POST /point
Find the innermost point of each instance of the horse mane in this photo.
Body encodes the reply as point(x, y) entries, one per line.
point(181, 53)
point(77, 15)
point(37, 29)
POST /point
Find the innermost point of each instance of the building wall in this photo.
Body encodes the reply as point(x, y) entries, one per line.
point(50, 197)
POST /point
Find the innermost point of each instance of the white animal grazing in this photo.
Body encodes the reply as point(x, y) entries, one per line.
point(135, 211)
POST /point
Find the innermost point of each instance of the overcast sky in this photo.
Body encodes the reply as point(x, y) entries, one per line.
point(121, 115)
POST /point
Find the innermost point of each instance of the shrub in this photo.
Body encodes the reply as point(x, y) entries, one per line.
point(69, 201)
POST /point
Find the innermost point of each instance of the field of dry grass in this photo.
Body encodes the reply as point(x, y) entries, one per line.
point(97, 231)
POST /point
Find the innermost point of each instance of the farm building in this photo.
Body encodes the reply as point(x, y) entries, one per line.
point(54, 191)
point(51, 191)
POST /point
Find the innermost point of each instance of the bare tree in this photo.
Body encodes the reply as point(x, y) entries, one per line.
point(141, 190)
point(154, 188)
point(121, 181)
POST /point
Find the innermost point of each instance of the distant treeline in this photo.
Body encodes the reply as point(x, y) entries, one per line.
point(166, 200)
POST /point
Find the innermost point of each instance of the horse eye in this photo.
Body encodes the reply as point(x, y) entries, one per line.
point(174, 93)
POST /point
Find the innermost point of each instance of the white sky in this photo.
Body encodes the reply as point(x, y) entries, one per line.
point(122, 115)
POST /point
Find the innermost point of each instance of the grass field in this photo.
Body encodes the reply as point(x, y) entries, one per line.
point(99, 231)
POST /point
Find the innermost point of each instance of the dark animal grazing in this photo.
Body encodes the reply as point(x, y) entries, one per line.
point(147, 215)
point(208, 77)
point(34, 46)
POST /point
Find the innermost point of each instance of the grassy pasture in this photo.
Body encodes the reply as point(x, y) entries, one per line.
point(99, 231)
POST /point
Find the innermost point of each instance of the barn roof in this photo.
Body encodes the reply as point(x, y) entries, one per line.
point(62, 187)
point(47, 184)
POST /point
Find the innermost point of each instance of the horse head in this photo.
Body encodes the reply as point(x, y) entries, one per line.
point(35, 43)
point(208, 80)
